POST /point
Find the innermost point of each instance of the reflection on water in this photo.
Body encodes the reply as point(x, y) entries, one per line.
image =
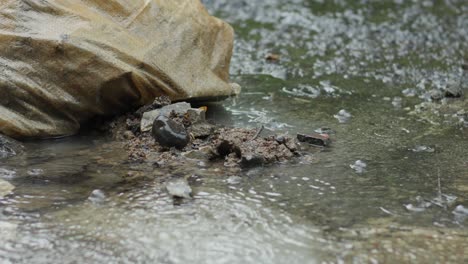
point(392, 186)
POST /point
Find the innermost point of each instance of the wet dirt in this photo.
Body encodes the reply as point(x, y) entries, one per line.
point(235, 147)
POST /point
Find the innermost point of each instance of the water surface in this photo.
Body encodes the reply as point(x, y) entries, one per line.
point(393, 187)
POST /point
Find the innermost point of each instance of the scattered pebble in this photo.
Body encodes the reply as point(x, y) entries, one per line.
point(234, 180)
point(272, 57)
point(413, 208)
point(359, 166)
point(179, 188)
point(461, 210)
point(170, 133)
point(97, 196)
point(343, 116)
point(325, 130)
point(148, 118)
point(422, 148)
point(322, 140)
point(409, 92)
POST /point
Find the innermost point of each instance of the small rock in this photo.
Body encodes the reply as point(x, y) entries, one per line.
point(460, 209)
point(196, 115)
point(149, 117)
point(179, 188)
point(128, 135)
point(280, 139)
point(315, 139)
point(236, 88)
point(436, 95)
point(202, 130)
point(97, 196)
point(291, 144)
point(169, 133)
point(204, 153)
point(464, 66)
point(343, 116)
point(454, 90)
point(410, 92)
point(460, 213)
point(359, 166)
point(252, 160)
point(415, 209)
point(234, 180)
point(158, 102)
point(271, 57)
point(426, 149)
point(5, 188)
point(325, 130)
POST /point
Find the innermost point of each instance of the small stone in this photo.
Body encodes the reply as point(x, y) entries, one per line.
point(325, 130)
point(169, 133)
point(252, 160)
point(280, 139)
point(436, 95)
point(204, 153)
point(460, 209)
point(158, 102)
point(315, 139)
point(148, 117)
point(410, 92)
point(128, 135)
point(419, 149)
point(359, 166)
point(179, 188)
point(97, 196)
point(454, 90)
point(343, 116)
point(202, 130)
point(271, 57)
point(196, 115)
point(233, 180)
point(413, 208)
point(236, 88)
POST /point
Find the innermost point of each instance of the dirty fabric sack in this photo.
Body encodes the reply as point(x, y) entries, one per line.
point(65, 61)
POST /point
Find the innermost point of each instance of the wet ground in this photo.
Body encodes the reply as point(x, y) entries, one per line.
point(393, 186)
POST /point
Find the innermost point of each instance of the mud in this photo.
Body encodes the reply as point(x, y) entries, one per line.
point(234, 147)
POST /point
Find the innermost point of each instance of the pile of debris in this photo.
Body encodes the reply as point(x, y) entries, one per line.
point(162, 132)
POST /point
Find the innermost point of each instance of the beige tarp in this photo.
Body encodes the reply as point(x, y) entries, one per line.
point(65, 61)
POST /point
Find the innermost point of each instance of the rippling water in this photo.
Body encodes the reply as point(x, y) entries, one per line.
point(368, 64)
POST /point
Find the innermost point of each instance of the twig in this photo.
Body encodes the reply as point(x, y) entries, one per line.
point(260, 130)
